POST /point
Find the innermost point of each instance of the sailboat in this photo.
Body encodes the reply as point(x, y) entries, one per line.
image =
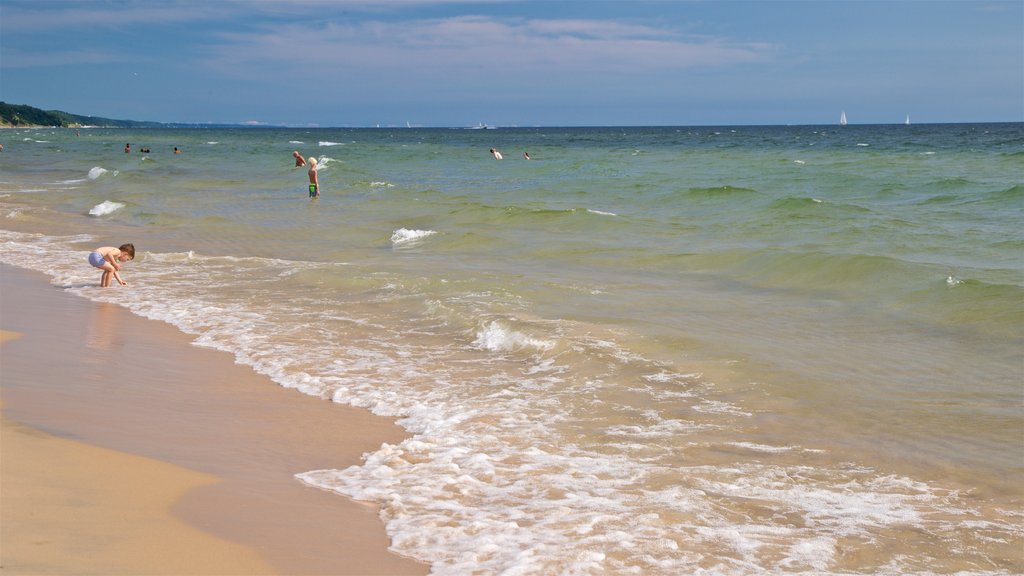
point(908, 120)
point(842, 118)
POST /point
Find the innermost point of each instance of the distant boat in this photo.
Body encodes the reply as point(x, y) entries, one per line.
point(907, 122)
point(842, 118)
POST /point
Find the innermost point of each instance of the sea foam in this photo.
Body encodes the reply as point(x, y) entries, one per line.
point(104, 208)
point(97, 171)
point(406, 236)
point(499, 338)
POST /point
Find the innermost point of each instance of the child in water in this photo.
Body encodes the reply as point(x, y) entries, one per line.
point(109, 260)
point(314, 178)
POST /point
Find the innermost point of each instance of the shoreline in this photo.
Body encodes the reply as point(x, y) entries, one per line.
point(97, 380)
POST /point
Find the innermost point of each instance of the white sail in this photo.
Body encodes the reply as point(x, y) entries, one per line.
point(842, 118)
point(908, 120)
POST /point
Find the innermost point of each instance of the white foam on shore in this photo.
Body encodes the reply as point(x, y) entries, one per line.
point(762, 447)
point(510, 470)
point(106, 207)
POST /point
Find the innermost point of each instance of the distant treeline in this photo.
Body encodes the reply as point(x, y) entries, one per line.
point(23, 115)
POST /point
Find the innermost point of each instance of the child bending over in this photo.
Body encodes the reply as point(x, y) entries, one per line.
point(109, 260)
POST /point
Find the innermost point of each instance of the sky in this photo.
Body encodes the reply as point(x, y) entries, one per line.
point(517, 62)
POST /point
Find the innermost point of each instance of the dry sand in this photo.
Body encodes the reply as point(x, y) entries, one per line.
point(65, 511)
point(126, 450)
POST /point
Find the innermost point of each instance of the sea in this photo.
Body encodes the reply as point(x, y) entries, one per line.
point(650, 351)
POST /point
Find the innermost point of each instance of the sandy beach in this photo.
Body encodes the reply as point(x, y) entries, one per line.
point(126, 450)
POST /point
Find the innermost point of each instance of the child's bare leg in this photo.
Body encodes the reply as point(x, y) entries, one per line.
point(105, 279)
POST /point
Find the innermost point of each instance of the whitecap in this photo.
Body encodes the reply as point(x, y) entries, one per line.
point(498, 338)
point(600, 213)
point(104, 208)
point(381, 185)
point(952, 281)
point(323, 162)
point(96, 171)
point(328, 143)
point(296, 142)
point(404, 235)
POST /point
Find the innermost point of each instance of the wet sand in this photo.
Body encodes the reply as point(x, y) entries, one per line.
point(127, 450)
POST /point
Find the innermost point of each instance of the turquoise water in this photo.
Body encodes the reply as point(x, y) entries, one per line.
point(645, 350)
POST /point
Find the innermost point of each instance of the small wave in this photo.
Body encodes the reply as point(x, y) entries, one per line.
point(1013, 194)
point(600, 213)
point(719, 192)
point(104, 208)
point(405, 236)
point(963, 302)
point(296, 142)
point(323, 162)
point(329, 143)
point(172, 257)
point(97, 171)
point(795, 202)
point(497, 338)
point(381, 185)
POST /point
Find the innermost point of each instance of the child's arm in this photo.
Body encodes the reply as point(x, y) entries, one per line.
point(112, 258)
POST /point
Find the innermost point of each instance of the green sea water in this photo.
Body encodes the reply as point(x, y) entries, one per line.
point(644, 350)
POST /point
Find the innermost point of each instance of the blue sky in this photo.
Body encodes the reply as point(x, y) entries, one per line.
point(521, 63)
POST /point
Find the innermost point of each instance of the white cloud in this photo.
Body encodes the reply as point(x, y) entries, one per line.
point(476, 45)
